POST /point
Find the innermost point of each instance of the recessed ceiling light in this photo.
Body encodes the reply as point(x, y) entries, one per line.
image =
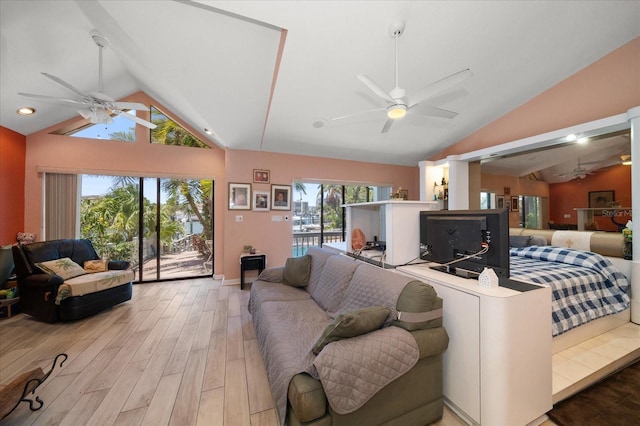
point(582, 140)
point(572, 137)
point(26, 111)
point(209, 132)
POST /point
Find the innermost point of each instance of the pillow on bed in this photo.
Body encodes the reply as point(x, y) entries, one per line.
point(352, 324)
point(519, 240)
point(538, 240)
point(63, 267)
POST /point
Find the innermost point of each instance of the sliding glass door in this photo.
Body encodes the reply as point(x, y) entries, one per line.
point(164, 227)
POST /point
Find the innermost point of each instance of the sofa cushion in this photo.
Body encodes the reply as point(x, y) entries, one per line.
point(319, 257)
point(335, 278)
point(296, 271)
point(418, 297)
point(63, 267)
point(373, 286)
point(351, 324)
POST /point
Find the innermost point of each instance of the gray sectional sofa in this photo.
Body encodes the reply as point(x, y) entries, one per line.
point(348, 343)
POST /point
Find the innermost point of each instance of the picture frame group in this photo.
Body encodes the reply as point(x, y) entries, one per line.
point(241, 197)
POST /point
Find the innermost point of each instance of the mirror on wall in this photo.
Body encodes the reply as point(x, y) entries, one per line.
point(566, 175)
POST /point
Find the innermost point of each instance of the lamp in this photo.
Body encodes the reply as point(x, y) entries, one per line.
point(397, 111)
point(626, 160)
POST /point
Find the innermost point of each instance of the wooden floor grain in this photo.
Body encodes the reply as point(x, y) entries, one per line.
point(179, 353)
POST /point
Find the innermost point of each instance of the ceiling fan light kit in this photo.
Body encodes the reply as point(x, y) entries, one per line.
point(398, 104)
point(397, 111)
point(97, 107)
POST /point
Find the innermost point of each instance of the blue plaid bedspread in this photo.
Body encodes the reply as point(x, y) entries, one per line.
point(584, 285)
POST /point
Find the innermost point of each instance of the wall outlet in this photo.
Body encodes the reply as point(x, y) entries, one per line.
point(239, 218)
point(567, 215)
point(276, 218)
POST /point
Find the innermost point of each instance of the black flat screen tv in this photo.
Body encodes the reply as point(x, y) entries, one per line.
point(464, 242)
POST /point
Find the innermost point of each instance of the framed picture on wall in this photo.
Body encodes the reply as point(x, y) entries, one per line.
point(601, 199)
point(261, 201)
point(261, 176)
point(500, 202)
point(239, 196)
point(515, 204)
point(280, 197)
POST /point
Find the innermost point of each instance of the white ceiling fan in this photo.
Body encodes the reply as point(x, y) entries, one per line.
point(398, 103)
point(97, 107)
point(580, 172)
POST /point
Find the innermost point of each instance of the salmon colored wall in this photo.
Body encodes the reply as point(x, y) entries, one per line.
point(64, 154)
point(605, 88)
point(575, 194)
point(12, 160)
point(275, 238)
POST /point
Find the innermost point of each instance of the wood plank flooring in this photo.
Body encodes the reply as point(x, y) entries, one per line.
point(179, 353)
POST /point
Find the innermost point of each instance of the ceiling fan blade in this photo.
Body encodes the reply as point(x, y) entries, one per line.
point(387, 125)
point(369, 111)
point(53, 99)
point(440, 85)
point(64, 84)
point(130, 105)
point(375, 88)
point(138, 120)
point(429, 111)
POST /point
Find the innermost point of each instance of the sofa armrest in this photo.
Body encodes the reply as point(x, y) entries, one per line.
point(38, 295)
point(306, 397)
point(431, 341)
point(40, 282)
point(118, 265)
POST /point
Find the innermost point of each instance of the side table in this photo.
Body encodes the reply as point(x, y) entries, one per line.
point(8, 303)
point(250, 262)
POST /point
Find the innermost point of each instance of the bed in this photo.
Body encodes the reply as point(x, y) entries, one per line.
point(585, 286)
point(608, 244)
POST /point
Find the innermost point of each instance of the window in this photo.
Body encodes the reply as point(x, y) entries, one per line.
point(318, 215)
point(122, 129)
point(487, 200)
point(169, 132)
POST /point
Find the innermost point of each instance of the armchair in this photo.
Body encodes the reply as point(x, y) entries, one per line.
point(49, 297)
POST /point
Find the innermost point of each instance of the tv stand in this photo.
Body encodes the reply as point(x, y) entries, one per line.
point(516, 285)
point(464, 273)
point(497, 369)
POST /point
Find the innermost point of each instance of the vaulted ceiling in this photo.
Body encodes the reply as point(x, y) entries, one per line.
point(271, 75)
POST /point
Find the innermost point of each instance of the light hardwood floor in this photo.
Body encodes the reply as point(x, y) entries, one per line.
point(178, 353)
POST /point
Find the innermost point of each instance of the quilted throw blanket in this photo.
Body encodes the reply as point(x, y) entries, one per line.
point(584, 285)
point(353, 370)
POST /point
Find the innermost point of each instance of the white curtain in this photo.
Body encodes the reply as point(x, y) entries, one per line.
point(61, 206)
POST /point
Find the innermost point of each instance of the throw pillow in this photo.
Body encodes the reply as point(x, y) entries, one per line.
point(351, 324)
point(296, 271)
point(519, 240)
point(93, 266)
point(538, 240)
point(63, 267)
